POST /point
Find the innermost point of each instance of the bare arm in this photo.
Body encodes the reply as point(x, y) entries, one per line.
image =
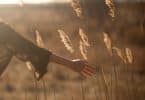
point(80, 66)
point(60, 60)
point(27, 51)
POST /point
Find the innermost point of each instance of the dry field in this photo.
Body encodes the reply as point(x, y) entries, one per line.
point(114, 79)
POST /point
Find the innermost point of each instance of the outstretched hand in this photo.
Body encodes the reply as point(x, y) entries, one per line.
point(82, 67)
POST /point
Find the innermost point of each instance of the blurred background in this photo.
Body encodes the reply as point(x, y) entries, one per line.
point(114, 80)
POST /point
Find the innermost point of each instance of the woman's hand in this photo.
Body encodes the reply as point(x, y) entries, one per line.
point(82, 67)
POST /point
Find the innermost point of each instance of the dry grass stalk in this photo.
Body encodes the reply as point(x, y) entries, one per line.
point(84, 37)
point(105, 84)
point(83, 91)
point(29, 65)
point(36, 86)
point(45, 89)
point(129, 55)
point(25, 94)
point(72, 98)
point(77, 8)
point(111, 7)
point(84, 43)
point(120, 54)
point(108, 43)
point(54, 93)
point(95, 92)
point(30, 68)
point(39, 40)
point(66, 40)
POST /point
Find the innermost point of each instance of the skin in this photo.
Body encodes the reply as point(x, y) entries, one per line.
point(77, 65)
point(25, 50)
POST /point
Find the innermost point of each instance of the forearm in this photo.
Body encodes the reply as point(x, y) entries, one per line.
point(60, 60)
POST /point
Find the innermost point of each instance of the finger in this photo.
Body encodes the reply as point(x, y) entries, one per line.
point(92, 70)
point(87, 72)
point(89, 67)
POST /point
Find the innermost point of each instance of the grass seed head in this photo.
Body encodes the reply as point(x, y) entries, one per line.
point(111, 7)
point(77, 8)
point(120, 54)
point(29, 65)
point(39, 40)
point(84, 37)
point(108, 43)
point(66, 40)
point(129, 55)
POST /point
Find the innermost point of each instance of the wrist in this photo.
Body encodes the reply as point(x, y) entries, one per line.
point(60, 60)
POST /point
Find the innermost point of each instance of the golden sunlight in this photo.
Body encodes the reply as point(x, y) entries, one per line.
point(31, 1)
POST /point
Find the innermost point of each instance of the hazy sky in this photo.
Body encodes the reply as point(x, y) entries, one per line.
point(45, 1)
point(30, 1)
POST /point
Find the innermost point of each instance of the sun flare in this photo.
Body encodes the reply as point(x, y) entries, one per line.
point(30, 1)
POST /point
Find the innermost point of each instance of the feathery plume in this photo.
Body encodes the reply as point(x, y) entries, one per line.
point(77, 8)
point(39, 40)
point(108, 43)
point(66, 40)
point(129, 55)
point(120, 54)
point(29, 65)
point(84, 37)
point(84, 43)
point(111, 7)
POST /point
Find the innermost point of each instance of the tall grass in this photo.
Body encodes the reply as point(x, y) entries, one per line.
point(25, 95)
point(126, 57)
point(82, 90)
point(77, 8)
point(36, 85)
point(54, 94)
point(44, 89)
point(105, 84)
point(39, 40)
point(111, 6)
point(66, 40)
point(84, 44)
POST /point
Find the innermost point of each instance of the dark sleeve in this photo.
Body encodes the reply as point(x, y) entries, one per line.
point(24, 49)
point(5, 57)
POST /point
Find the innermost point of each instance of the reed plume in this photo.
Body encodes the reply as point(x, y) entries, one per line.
point(120, 54)
point(111, 7)
point(66, 40)
point(39, 40)
point(129, 55)
point(105, 84)
point(108, 43)
point(84, 37)
point(29, 65)
point(84, 43)
point(77, 8)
